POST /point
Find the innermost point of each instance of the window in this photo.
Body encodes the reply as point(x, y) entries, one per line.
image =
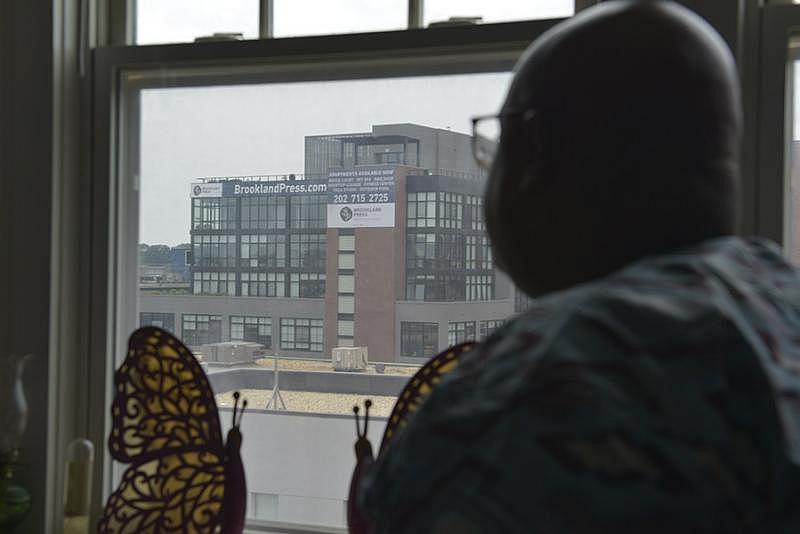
point(347, 283)
point(496, 11)
point(472, 251)
point(475, 211)
point(450, 255)
point(228, 130)
point(263, 284)
point(309, 211)
point(442, 286)
point(307, 285)
point(486, 254)
point(451, 210)
point(200, 329)
point(342, 16)
point(301, 334)
point(419, 340)
point(347, 243)
point(161, 320)
point(346, 304)
point(421, 251)
point(214, 213)
point(214, 250)
point(421, 210)
point(459, 332)
point(214, 283)
point(308, 251)
point(480, 287)
point(265, 250)
point(255, 329)
point(264, 213)
point(347, 261)
point(487, 328)
point(179, 21)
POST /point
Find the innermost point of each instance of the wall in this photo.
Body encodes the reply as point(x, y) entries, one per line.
point(305, 459)
point(227, 306)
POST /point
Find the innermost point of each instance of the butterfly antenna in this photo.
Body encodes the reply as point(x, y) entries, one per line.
point(367, 406)
point(358, 428)
point(241, 412)
point(235, 405)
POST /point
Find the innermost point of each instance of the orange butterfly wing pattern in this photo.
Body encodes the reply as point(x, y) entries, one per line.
point(419, 387)
point(165, 424)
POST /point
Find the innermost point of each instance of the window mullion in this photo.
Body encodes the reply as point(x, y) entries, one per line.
point(415, 14)
point(266, 19)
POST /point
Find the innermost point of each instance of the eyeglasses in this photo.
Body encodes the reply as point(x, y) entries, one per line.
point(486, 131)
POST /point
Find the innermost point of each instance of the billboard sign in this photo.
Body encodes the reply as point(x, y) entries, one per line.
point(236, 188)
point(361, 198)
point(202, 190)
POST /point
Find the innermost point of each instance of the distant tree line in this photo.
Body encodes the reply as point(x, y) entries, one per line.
point(157, 254)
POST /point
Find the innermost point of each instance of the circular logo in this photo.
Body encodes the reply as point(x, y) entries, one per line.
point(346, 214)
point(197, 190)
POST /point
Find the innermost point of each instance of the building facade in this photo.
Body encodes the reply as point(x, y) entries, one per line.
point(381, 243)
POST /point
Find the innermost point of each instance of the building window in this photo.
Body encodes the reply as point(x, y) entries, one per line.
point(161, 320)
point(200, 329)
point(214, 283)
point(263, 285)
point(307, 285)
point(486, 254)
point(475, 213)
point(451, 210)
point(419, 340)
point(214, 250)
point(347, 261)
point(419, 285)
point(308, 251)
point(346, 328)
point(264, 213)
point(421, 210)
point(255, 329)
point(347, 243)
point(451, 251)
point(459, 332)
point(347, 283)
point(301, 334)
point(265, 250)
point(309, 211)
point(480, 287)
point(420, 251)
point(472, 251)
point(214, 213)
point(487, 328)
point(346, 304)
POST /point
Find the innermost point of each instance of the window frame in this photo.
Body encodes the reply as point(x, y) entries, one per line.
point(120, 73)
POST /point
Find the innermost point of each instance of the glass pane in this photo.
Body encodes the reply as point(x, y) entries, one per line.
point(342, 16)
point(280, 155)
point(441, 11)
point(792, 191)
point(182, 21)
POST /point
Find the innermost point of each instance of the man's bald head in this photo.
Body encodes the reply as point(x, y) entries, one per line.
point(630, 147)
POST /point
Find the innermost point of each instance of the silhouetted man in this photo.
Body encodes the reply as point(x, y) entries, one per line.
point(653, 387)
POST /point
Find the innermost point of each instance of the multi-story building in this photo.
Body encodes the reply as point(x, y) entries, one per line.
point(380, 243)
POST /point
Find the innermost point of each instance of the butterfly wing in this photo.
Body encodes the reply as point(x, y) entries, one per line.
point(165, 424)
point(180, 492)
point(419, 387)
point(163, 401)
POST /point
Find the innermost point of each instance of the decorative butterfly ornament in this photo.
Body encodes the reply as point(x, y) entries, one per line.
point(180, 478)
point(408, 402)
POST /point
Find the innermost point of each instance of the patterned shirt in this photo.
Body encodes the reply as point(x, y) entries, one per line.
point(660, 399)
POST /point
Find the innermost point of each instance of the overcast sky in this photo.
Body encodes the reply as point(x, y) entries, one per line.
point(259, 129)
